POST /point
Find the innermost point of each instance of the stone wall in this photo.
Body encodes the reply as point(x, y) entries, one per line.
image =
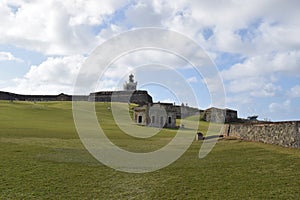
point(186, 111)
point(156, 115)
point(285, 134)
point(6, 96)
point(220, 115)
point(21, 97)
point(140, 97)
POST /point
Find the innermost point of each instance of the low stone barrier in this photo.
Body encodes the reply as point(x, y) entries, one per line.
point(285, 134)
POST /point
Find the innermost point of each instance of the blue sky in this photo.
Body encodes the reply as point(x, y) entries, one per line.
point(254, 44)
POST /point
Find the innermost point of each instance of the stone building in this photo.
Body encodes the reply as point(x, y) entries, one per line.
point(141, 115)
point(128, 95)
point(63, 97)
point(220, 115)
point(183, 111)
point(140, 97)
point(147, 113)
point(156, 115)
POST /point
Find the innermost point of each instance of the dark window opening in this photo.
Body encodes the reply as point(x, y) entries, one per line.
point(140, 119)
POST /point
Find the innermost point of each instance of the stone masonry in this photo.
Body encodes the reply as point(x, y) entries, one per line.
point(285, 134)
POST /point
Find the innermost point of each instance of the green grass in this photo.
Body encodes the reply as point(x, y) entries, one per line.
point(41, 157)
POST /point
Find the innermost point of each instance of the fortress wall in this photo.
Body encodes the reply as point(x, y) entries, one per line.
point(285, 134)
point(186, 111)
point(298, 135)
point(5, 96)
point(139, 96)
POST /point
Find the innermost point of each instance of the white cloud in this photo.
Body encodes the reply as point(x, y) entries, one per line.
point(294, 92)
point(240, 99)
point(7, 56)
point(52, 76)
point(144, 62)
point(264, 65)
point(192, 79)
point(283, 107)
point(66, 27)
point(142, 14)
point(54, 27)
point(255, 87)
point(92, 12)
point(109, 32)
point(264, 33)
point(258, 75)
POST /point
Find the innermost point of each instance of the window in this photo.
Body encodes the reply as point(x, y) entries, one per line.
point(162, 122)
point(140, 119)
point(153, 120)
point(170, 120)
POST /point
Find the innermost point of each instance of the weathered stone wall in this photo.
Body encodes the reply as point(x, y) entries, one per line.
point(220, 115)
point(60, 97)
point(186, 111)
point(156, 115)
point(285, 134)
point(140, 97)
point(6, 96)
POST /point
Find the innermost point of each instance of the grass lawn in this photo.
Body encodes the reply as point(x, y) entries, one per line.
point(41, 157)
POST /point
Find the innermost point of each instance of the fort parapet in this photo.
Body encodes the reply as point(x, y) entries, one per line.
point(24, 97)
point(140, 97)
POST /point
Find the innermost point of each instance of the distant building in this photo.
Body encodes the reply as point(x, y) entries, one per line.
point(183, 111)
point(63, 97)
point(220, 115)
point(156, 115)
point(128, 95)
point(140, 97)
point(141, 115)
point(147, 113)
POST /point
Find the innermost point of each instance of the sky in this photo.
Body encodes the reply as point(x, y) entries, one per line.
point(255, 46)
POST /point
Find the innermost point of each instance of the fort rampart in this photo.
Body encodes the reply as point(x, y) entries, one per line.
point(285, 134)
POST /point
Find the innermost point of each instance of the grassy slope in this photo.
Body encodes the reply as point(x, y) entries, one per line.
point(42, 157)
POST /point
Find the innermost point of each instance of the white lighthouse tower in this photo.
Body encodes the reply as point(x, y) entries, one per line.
point(131, 85)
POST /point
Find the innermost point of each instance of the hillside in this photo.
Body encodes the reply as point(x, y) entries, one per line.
point(42, 157)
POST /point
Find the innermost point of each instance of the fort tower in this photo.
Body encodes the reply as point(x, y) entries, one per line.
point(131, 85)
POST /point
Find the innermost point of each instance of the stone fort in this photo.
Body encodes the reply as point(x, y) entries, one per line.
point(146, 113)
point(159, 114)
point(129, 94)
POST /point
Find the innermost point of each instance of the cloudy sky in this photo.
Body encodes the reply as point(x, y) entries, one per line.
point(254, 44)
